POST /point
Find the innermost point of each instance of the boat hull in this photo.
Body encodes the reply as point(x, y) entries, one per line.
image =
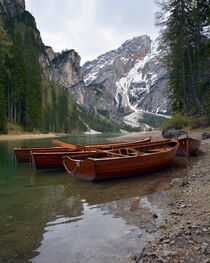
point(188, 146)
point(23, 154)
point(53, 160)
point(92, 169)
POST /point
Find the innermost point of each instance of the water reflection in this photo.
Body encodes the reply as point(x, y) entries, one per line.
point(102, 233)
point(49, 217)
point(94, 237)
point(111, 219)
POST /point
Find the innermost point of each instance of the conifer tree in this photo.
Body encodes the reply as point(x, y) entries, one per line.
point(186, 53)
point(5, 44)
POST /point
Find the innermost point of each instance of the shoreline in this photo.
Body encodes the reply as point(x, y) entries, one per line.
point(156, 135)
point(124, 137)
point(25, 136)
point(184, 235)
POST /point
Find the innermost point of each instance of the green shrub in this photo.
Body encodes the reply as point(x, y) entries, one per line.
point(178, 121)
point(196, 123)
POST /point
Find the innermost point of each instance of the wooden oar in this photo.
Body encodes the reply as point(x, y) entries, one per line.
point(67, 145)
point(84, 148)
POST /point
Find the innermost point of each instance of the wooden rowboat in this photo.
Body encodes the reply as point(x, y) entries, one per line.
point(23, 154)
point(105, 146)
point(131, 161)
point(54, 159)
point(188, 146)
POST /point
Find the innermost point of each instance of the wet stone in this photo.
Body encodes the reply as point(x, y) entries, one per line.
point(205, 229)
point(171, 204)
point(150, 231)
point(155, 215)
point(170, 253)
point(188, 232)
point(198, 232)
point(197, 248)
point(166, 241)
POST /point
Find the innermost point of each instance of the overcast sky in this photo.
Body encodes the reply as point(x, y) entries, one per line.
point(92, 27)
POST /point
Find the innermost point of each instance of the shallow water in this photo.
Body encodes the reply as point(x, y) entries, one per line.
point(47, 216)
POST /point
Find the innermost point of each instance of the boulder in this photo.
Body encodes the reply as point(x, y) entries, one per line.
point(170, 133)
point(205, 135)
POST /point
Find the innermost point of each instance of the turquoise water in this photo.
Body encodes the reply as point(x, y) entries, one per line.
point(47, 216)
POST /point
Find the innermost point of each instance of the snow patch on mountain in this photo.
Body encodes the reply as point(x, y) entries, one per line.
point(136, 75)
point(127, 81)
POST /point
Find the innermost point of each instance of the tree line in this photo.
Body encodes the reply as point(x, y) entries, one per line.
point(27, 97)
point(185, 48)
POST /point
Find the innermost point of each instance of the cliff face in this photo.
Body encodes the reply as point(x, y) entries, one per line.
point(63, 69)
point(13, 7)
point(102, 74)
point(33, 93)
point(130, 79)
point(66, 68)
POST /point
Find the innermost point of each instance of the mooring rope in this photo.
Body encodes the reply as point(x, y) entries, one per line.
point(77, 165)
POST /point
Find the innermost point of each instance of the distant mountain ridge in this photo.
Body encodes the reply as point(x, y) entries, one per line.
point(120, 85)
point(130, 79)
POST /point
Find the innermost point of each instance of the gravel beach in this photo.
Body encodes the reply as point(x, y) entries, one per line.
point(184, 237)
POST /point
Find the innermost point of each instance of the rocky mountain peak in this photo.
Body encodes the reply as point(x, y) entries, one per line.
point(123, 58)
point(126, 82)
point(67, 55)
point(136, 44)
point(13, 7)
point(66, 67)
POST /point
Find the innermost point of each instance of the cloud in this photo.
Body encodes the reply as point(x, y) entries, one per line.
point(92, 27)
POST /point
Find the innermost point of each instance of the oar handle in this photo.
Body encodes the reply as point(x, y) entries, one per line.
point(66, 145)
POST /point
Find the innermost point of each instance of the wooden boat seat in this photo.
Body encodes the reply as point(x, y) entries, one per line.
point(156, 150)
point(129, 151)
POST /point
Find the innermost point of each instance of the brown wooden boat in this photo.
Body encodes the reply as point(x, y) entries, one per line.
point(188, 146)
point(105, 146)
point(54, 159)
point(122, 162)
point(23, 154)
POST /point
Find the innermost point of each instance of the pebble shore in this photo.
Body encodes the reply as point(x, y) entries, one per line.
point(184, 237)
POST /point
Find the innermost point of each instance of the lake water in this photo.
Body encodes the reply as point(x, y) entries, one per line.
point(49, 217)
